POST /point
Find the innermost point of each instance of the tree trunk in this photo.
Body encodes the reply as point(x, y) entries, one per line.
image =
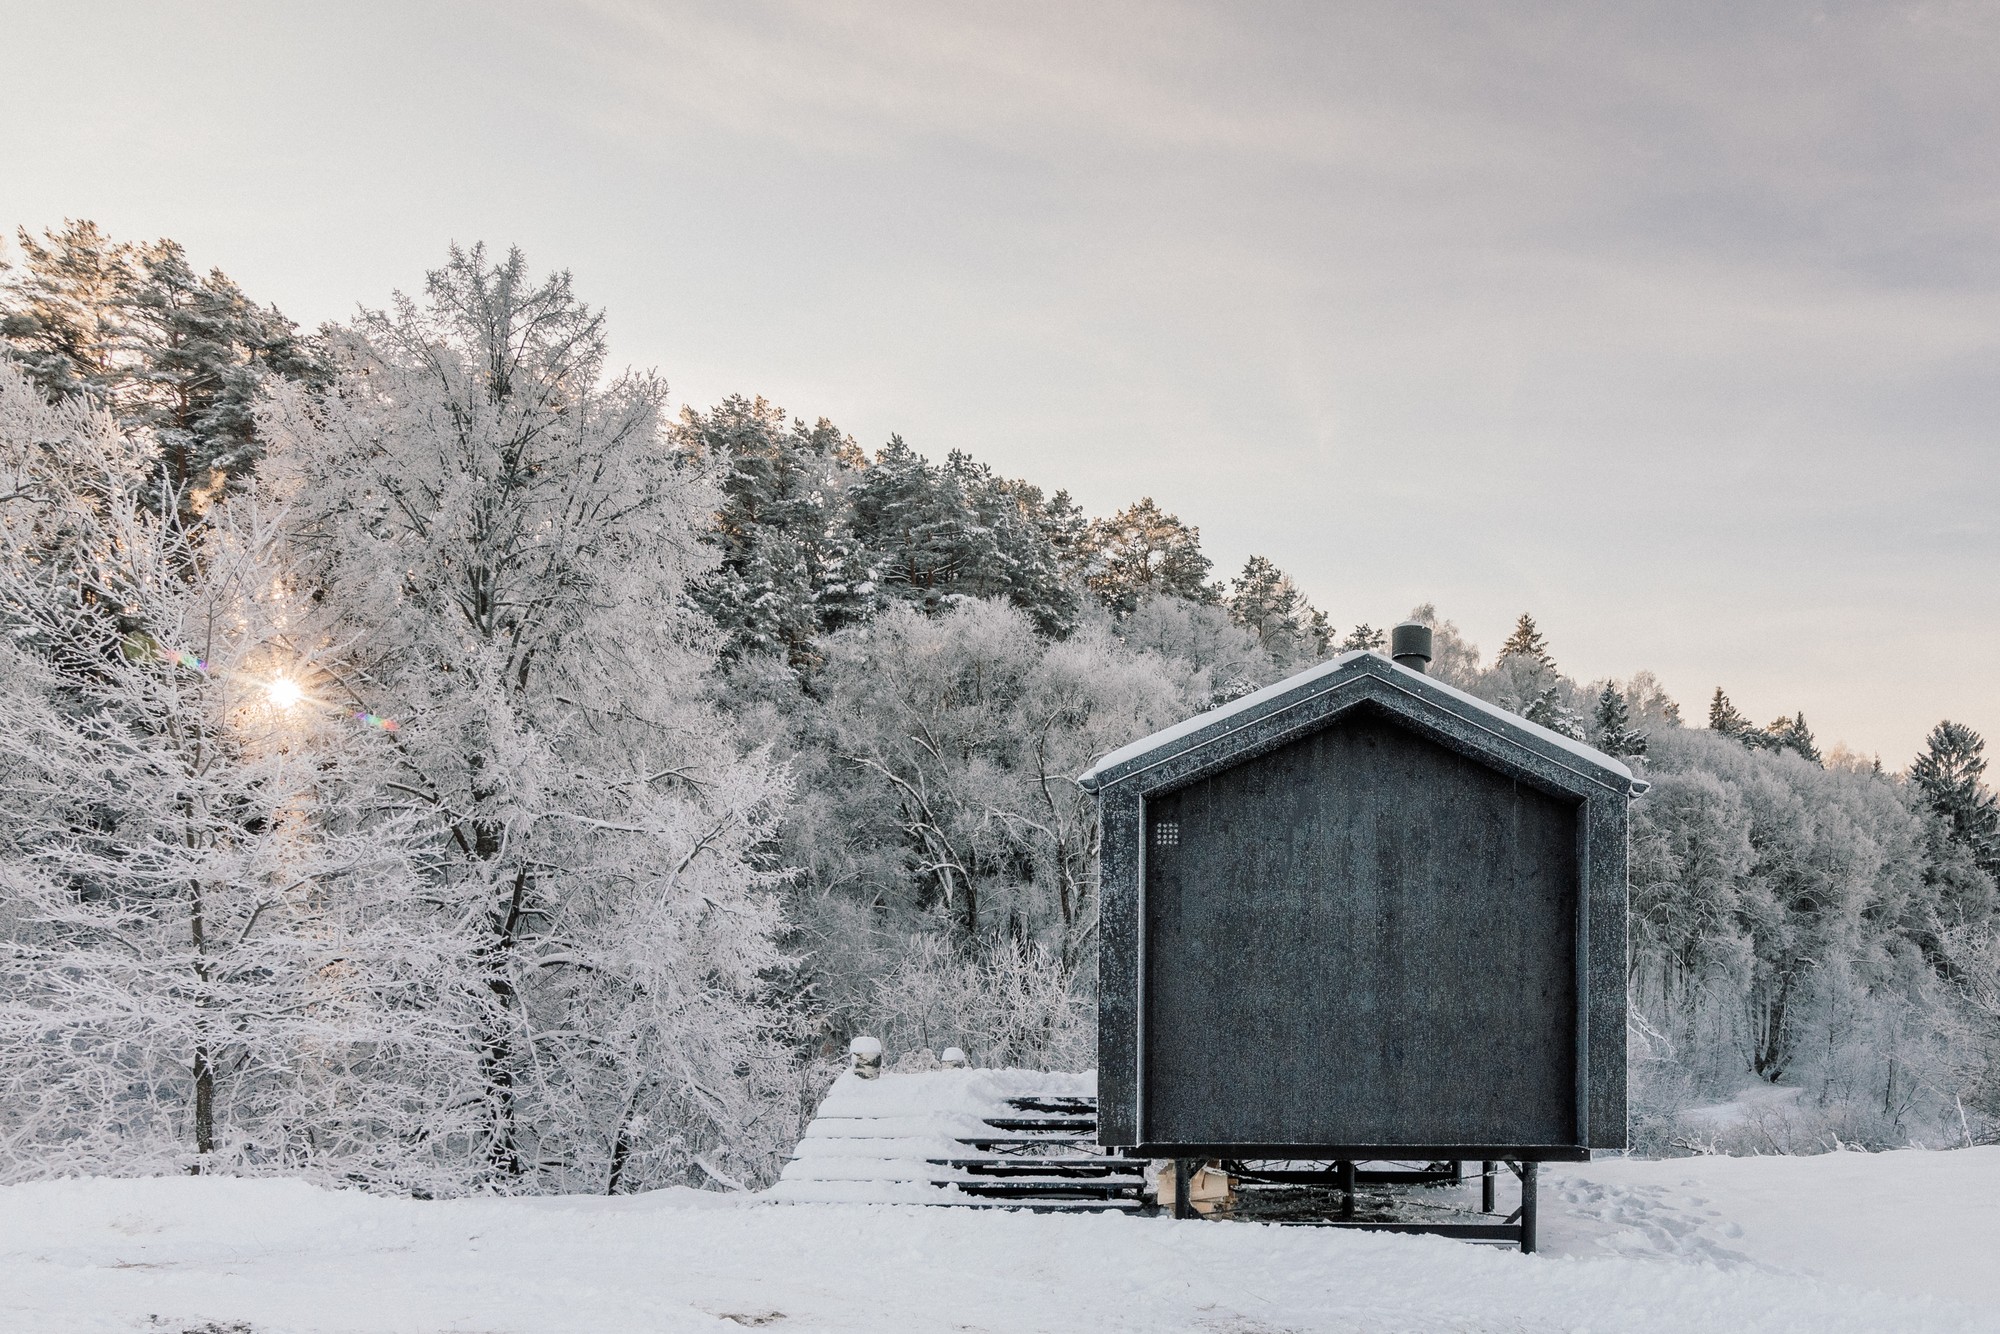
point(204, 1064)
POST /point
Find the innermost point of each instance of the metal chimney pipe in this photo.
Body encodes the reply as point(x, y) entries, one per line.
point(1410, 645)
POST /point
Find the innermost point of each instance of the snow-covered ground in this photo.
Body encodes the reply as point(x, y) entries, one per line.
point(1846, 1242)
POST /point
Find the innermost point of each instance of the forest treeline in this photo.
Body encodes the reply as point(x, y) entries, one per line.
point(430, 761)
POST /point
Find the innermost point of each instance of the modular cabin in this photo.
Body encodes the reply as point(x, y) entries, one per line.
point(1362, 915)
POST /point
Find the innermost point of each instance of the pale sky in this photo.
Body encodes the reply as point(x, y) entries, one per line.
point(1675, 325)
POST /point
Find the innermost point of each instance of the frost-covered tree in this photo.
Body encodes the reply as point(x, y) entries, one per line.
point(215, 949)
point(1203, 638)
point(1778, 933)
point(1649, 702)
point(941, 831)
point(1454, 658)
point(509, 538)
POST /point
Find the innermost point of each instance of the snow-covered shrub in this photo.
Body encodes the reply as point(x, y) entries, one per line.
point(1008, 1004)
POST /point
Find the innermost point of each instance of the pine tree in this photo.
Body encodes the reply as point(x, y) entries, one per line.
point(1549, 710)
point(199, 352)
point(939, 534)
point(1948, 776)
point(1142, 552)
point(165, 349)
point(780, 530)
point(1526, 644)
point(1067, 529)
point(1364, 636)
point(1264, 600)
point(1318, 634)
point(1792, 734)
point(1525, 679)
point(1612, 726)
point(1725, 718)
point(62, 317)
point(1010, 546)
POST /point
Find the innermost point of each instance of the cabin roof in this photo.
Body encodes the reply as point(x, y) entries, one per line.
point(1413, 694)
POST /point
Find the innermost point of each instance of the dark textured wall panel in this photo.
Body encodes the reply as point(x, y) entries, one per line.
point(1360, 937)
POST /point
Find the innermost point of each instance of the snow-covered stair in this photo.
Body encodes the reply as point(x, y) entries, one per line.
point(991, 1138)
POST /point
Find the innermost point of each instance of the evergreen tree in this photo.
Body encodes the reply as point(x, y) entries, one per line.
point(1265, 601)
point(1725, 718)
point(1526, 644)
point(1548, 709)
point(62, 316)
point(1792, 734)
point(1613, 732)
point(1142, 551)
point(1948, 777)
point(165, 349)
point(199, 352)
point(938, 534)
point(1011, 544)
point(1364, 636)
point(781, 529)
point(1525, 679)
point(1067, 529)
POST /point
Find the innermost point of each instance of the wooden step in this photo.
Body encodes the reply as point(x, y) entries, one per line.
point(1053, 1167)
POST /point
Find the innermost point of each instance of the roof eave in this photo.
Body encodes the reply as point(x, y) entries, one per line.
point(1183, 738)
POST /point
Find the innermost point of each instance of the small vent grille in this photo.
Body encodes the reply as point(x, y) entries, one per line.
point(1167, 834)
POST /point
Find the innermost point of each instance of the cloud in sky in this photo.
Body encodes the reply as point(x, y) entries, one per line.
point(1675, 324)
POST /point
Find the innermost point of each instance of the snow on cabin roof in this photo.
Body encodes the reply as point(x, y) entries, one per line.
point(1302, 685)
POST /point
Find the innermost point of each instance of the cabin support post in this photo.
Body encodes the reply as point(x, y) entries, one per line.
point(1344, 1176)
point(1486, 1186)
point(1183, 1181)
point(1529, 1171)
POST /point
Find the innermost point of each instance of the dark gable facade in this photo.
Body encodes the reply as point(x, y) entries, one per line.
point(1360, 914)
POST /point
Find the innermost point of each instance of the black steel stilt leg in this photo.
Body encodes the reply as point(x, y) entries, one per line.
point(1486, 1170)
point(1345, 1173)
point(1183, 1178)
point(1529, 1173)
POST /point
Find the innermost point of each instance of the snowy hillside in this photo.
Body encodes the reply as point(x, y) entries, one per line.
point(1849, 1242)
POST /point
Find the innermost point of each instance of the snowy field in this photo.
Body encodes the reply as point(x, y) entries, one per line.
point(1848, 1242)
